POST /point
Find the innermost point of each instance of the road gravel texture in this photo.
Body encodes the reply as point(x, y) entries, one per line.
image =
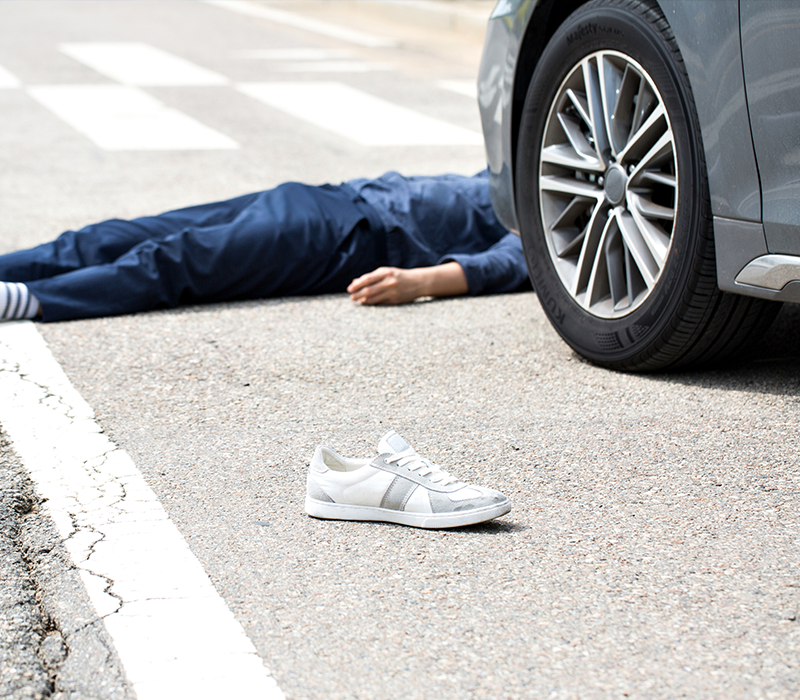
point(651, 551)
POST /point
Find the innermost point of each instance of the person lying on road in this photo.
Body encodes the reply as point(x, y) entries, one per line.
point(388, 240)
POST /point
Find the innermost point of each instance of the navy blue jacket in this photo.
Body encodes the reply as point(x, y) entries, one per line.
point(442, 218)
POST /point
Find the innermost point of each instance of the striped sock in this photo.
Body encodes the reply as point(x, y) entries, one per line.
point(16, 301)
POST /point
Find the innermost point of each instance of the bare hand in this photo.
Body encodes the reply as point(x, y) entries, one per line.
point(392, 285)
point(387, 285)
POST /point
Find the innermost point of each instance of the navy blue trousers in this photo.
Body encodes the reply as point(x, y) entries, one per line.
point(294, 239)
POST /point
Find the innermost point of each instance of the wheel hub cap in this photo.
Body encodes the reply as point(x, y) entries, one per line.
point(615, 183)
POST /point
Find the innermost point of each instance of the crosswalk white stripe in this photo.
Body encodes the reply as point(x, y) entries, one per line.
point(119, 117)
point(293, 54)
point(290, 19)
point(174, 634)
point(8, 79)
point(330, 67)
point(306, 60)
point(133, 63)
point(358, 116)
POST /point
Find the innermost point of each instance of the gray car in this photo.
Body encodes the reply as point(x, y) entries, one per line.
point(648, 153)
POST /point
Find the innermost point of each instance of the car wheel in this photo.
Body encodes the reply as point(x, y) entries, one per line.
point(613, 201)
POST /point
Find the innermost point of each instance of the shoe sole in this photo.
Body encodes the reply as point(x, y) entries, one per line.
point(430, 521)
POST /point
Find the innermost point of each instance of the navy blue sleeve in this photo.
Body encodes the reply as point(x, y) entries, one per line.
point(499, 269)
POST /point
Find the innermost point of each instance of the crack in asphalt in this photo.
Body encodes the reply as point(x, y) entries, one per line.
point(82, 564)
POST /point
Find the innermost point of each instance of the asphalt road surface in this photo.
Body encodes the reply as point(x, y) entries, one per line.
point(652, 549)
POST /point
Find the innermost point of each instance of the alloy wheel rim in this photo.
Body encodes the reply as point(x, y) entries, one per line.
point(608, 184)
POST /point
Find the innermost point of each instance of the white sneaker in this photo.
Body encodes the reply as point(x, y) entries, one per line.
point(398, 486)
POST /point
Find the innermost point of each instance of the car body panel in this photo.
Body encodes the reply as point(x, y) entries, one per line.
point(771, 57)
point(504, 34)
point(708, 37)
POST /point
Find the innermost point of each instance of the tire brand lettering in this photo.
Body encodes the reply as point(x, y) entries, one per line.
point(556, 314)
point(591, 29)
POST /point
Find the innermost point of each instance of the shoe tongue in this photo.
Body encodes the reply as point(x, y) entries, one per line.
point(392, 444)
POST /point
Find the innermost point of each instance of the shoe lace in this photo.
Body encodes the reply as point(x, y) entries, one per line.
point(424, 467)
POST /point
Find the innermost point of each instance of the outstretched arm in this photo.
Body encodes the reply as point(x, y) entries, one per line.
point(392, 285)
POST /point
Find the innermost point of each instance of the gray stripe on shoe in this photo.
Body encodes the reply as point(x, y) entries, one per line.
point(441, 503)
point(314, 490)
point(398, 493)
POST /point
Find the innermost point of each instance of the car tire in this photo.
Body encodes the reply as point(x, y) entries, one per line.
point(612, 198)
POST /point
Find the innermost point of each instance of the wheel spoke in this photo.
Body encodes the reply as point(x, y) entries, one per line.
point(578, 154)
point(581, 105)
point(566, 157)
point(623, 117)
point(662, 151)
point(630, 284)
point(653, 129)
point(634, 240)
point(576, 209)
point(654, 237)
point(650, 209)
point(653, 132)
point(654, 177)
point(566, 234)
point(590, 242)
point(568, 185)
point(597, 288)
point(616, 255)
point(594, 100)
point(610, 85)
point(645, 101)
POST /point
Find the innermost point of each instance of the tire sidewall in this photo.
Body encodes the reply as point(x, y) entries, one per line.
point(599, 26)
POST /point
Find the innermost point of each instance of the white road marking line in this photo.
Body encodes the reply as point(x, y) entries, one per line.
point(8, 79)
point(290, 19)
point(358, 116)
point(297, 54)
point(463, 87)
point(330, 67)
point(312, 61)
point(174, 634)
point(132, 63)
point(119, 117)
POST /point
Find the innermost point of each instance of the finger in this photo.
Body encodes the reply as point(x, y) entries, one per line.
point(378, 297)
point(367, 279)
point(358, 292)
point(356, 284)
point(383, 277)
point(380, 292)
point(366, 293)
